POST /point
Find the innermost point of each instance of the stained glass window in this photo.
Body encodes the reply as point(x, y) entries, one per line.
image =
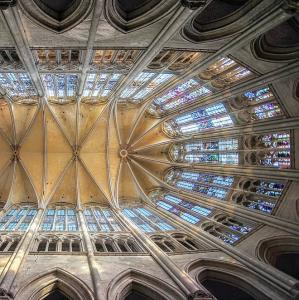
point(215, 186)
point(60, 86)
point(17, 219)
point(100, 219)
point(220, 151)
point(147, 220)
point(60, 219)
point(261, 195)
point(101, 85)
point(204, 118)
point(144, 84)
point(17, 84)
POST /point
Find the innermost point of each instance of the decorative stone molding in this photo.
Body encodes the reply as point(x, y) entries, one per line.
point(127, 18)
point(5, 4)
point(280, 43)
point(193, 4)
point(219, 20)
point(58, 22)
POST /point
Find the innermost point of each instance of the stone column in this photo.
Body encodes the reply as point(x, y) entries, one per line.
point(11, 269)
point(94, 268)
point(280, 281)
point(190, 287)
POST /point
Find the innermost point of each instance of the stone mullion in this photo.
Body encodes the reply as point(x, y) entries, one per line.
point(190, 287)
point(17, 30)
point(179, 18)
point(279, 13)
point(12, 267)
point(286, 284)
point(97, 12)
point(94, 268)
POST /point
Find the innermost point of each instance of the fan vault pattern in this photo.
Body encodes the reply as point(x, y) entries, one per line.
point(179, 144)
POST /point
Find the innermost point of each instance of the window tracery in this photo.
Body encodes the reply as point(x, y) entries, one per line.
point(17, 85)
point(9, 242)
point(184, 209)
point(98, 87)
point(60, 219)
point(58, 59)
point(9, 60)
point(57, 243)
point(251, 106)
point(229, 229)
point(219, 151)
point(17, 218)
point(147, 220)
point(272, 149)
point(114, 60)
point(214, 186)
point(221, 74)
point(101, 219)
point(123, 243)
point(258, 194)
point(176, 242)
point(61, 87)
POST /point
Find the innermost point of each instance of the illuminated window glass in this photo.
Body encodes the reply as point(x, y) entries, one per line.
point(17, 219)
point(17, 84)
point(215, 186)
point(101, 85)
point(60, 85)
point(260, 195)
point(213, 116)
point(99, 219)
point(221, 151)
point(147, 220)
point(60, 219)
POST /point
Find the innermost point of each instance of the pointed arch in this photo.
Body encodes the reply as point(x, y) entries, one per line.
point(135, 280)
point(230, 273)
point(55, 279)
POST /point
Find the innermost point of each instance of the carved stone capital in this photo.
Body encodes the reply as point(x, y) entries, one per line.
point(5, 4)
point(193, 4)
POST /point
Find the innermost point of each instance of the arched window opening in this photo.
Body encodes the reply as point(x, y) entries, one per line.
point(217, 76)
point(4, 245)
point(147, 220)
point(122, 246)
point(99, 246)
point(52, 246)
point(57, 295)
point(225, 291)
point(215, 186)
point(248, 107)
point(101, 220)
point(258, 194)
point(135, 295)
point(13, 246)
point(9, 242)
point(65, 246)
point(109, 246)
point(42, 246)
point(76, 246)
point(60, 218)
point(132, 245)
point(17, 218)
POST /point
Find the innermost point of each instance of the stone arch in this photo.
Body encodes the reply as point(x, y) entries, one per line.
point(55, 279)
point(221, 18)
point(272, 250)
point(150, 286)
point(232, 274)
point(127, 16)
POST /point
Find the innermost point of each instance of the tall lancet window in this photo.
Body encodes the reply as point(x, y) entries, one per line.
point(101, 219)
point(17, 218)
point(60, 219)
point(147, 220)
point(215, 186)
